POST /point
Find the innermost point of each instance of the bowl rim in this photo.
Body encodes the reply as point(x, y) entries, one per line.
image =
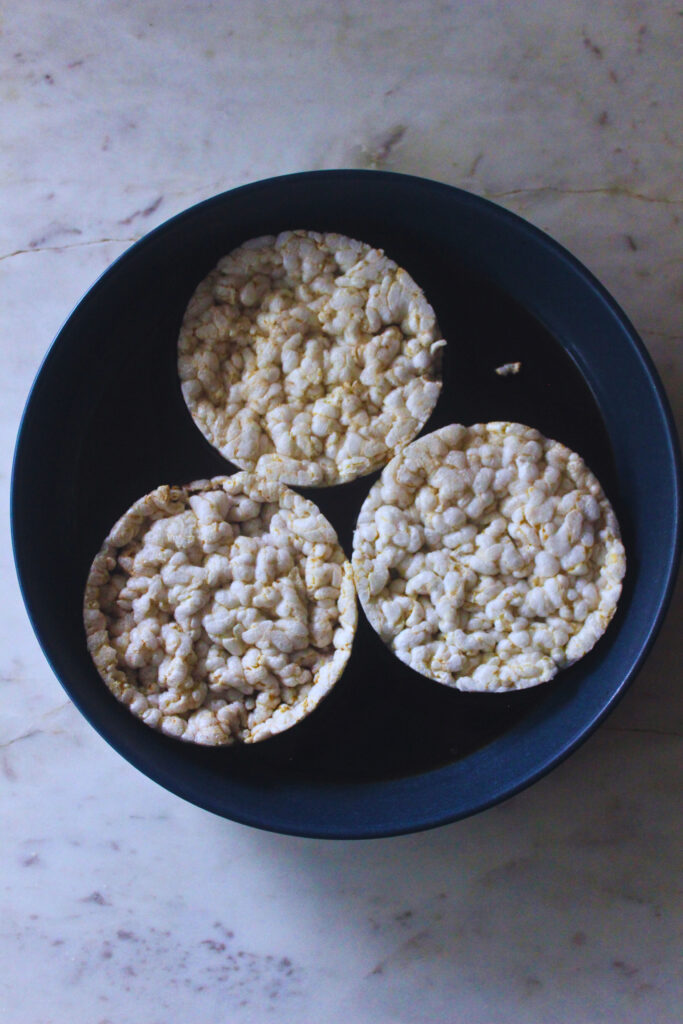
point(392, 793)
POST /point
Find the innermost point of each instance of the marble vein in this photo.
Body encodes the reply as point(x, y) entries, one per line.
point(35, 730)
point(67, 245)
point(608, 190)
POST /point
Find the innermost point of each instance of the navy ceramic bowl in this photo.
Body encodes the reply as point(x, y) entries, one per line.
point(388, 751)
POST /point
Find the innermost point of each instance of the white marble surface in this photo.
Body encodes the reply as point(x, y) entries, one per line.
point(121, 903)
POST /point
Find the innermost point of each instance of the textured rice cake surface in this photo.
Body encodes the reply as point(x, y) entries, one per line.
point(488, 557)
point(222, 611)
point(309, 356)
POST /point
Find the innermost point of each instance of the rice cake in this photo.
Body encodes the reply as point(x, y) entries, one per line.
point(310, 358)
point(488, 557)
point(221, 612)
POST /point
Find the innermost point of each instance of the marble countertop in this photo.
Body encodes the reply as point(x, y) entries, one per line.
point(120, 902)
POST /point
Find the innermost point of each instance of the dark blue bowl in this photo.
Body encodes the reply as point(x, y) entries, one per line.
point(387, 752)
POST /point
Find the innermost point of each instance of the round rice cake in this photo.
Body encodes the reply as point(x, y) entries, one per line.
point(488, 557)
point(221, 612)
point(309, 357)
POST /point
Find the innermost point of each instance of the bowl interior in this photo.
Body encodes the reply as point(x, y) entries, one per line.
point(387, 751)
